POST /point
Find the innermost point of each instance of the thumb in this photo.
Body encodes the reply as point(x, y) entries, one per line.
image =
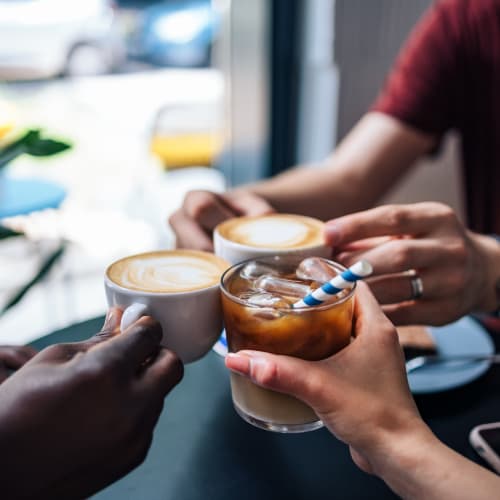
point(110, 328)
point(293, 376)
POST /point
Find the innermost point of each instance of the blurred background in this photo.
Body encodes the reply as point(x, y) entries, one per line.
point(159, 97)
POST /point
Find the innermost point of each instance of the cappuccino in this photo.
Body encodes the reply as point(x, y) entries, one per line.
point(277, 231)
point(167, 271)
point(179, 288)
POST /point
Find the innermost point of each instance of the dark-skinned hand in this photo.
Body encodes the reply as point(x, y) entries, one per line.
point(12, 357)
point(77, 417)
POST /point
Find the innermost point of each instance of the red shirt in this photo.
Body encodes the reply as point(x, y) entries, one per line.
point(448, 77)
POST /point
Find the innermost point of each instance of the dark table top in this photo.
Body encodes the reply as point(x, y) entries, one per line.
point(203, 450)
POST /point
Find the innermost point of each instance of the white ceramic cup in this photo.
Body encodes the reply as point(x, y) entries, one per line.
point(235, 252)
point(191, 320)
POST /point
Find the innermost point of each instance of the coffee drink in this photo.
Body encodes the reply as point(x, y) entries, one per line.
point(242, 238)
point(273, 231)
point(258, 315)
point(179, 288)
point(167, 271)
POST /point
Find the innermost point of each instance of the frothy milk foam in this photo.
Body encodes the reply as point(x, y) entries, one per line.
point(167, 271)
point(273, 231)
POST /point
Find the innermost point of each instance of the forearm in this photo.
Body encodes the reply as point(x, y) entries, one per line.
point(368, 161)
point(422, 467)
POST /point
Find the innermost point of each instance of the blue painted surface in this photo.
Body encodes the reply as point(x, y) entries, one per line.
point(464, 336)
point(22, 196)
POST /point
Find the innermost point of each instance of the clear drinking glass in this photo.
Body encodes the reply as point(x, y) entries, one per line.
point(310, 333)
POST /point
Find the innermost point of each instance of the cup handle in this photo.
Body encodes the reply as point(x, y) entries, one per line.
point(132, 314)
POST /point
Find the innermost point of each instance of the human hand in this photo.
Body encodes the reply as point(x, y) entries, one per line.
point(454, 265)
point(12, 357)
point(79, 416)
point(201, 211)
point(361, 393)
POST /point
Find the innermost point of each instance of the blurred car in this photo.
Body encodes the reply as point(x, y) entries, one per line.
point(45, 38)
point(175, 33)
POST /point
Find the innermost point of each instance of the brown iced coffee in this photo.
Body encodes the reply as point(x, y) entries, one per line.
point(257, 300)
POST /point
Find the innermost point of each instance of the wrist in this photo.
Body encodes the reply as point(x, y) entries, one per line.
point(407, 459)
point(489, 251)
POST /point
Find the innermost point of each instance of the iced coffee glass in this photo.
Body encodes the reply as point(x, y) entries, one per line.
point(257, 298)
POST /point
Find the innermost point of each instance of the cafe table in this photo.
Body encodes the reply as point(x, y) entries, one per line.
point(203, 450)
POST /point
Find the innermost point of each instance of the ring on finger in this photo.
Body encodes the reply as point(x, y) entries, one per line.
point(416, 284)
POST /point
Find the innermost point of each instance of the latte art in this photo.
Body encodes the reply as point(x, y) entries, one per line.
point(168, 271)
point(279, 231)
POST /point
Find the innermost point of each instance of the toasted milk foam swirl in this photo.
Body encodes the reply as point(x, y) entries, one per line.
point(274, 231)
point(167, 272)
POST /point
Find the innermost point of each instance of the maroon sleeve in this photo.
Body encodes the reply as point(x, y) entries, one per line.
point(421, 89)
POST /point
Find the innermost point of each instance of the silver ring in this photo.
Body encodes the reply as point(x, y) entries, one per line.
point(417, 287)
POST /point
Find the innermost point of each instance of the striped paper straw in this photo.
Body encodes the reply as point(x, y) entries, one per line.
point(328, 290)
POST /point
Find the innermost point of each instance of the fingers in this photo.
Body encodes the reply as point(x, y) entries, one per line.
point(133, 347)
point(246, 203)
point(189, 234)
point(163, 373)
point(279, 373)
point(369, 319)
point(424, 312)
point(207, 209)
point(13, 357)
point(414, 219)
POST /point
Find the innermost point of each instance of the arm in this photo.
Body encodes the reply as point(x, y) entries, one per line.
point(375, 153)
point(373, 156)
point(419, 466)
point(388, 437)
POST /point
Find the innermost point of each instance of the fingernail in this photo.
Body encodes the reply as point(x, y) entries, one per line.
point(110, 317)
point(332, 233)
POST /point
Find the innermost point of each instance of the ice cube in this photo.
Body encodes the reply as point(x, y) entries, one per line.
point(282, 286)
point(315, 269)
point(268, 304)
point(254, 270)
point(264, 299)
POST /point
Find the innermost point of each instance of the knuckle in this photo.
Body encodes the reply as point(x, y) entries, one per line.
point(266, 374)
point(140, 450)
point(175, 366)
point(60, 351)
point(459, 250)
point(444, 212)
point(174, 218)
point(200, 203)
point(396, 217)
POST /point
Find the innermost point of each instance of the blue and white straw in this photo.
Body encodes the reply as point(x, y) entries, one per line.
point(328, 290)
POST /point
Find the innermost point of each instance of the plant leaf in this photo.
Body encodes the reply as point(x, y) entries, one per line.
point(46, 147)
point(7, 233)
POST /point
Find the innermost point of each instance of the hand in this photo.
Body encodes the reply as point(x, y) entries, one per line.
point(361, 393)
point(79, 416)
point(201, 211)
point(454, 264)
point(12, 357)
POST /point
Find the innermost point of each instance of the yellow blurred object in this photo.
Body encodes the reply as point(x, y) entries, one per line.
point(6, 118)
point(186, 149)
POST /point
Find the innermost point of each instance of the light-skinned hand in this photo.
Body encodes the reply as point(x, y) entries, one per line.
point(458, 268)
point(201, 211)
point(361, 393)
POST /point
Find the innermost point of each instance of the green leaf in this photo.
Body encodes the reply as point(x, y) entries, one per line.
point(31, 143)
point(46, 147)
point(7, 233)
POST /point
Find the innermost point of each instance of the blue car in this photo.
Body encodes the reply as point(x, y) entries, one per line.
point(175, 33)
